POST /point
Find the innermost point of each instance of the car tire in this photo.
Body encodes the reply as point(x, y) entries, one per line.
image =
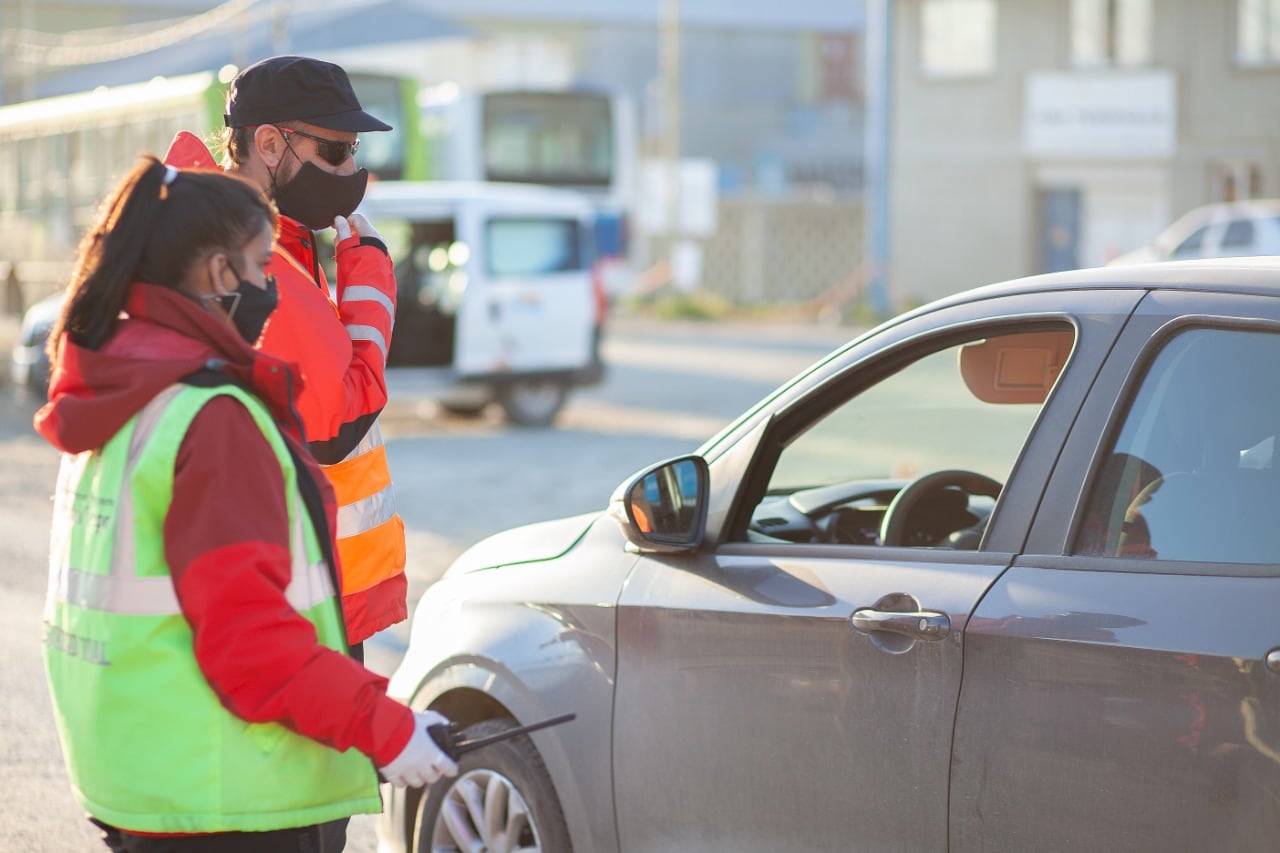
point(501, 800)
point(464, 410)
point(532, 402)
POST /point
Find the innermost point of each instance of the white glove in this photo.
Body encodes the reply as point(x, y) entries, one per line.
point(356, 223)
point(421, 762)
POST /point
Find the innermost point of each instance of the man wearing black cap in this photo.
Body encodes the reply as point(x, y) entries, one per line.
point(292, 127)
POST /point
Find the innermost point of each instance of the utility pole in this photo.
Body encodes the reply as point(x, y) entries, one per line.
point(280, 35)
point(17, 76)
point(6, 52)
point(879, 51)
point(669, 66)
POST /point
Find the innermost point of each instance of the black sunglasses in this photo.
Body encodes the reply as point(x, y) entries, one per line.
point(332, 151)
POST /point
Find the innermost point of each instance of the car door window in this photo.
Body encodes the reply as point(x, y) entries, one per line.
point(1193, 244)
point(1239, 235)
point(1192, 475)
point(917, 459)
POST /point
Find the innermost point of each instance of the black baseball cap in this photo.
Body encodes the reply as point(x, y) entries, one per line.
point(288, 88)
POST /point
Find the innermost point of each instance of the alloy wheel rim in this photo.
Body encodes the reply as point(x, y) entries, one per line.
point(484, 812)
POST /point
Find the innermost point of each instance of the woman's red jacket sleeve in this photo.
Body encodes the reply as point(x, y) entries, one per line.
point(226, 541)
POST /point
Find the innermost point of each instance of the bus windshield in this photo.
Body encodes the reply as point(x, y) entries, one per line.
point(554, 138)
point(383, 153)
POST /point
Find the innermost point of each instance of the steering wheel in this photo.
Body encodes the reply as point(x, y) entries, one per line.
point(893, 527)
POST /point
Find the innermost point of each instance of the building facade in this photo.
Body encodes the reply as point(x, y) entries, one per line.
point(1035, 135)
point(772, 93)
point(770, 102)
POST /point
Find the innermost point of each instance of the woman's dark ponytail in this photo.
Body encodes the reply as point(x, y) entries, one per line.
point(108, 257)
point(153, 227)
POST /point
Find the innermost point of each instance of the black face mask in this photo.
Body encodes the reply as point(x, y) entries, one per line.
point(314, 197)
point(250, 306)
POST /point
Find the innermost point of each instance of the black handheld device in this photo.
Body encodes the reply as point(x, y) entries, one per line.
point(450, 740)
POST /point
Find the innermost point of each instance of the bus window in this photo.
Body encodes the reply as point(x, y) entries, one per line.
point(383, 152)
point(59, 156)
point(29, 174)
point(9, 182)
point(554, 138)
point(81, 187)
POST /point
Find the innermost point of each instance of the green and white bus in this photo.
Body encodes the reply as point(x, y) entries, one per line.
point(59, 156)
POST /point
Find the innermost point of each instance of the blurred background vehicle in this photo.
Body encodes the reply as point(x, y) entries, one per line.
point(579, 138)
point(498, 293)
point(28, 362)
point(1224, 230)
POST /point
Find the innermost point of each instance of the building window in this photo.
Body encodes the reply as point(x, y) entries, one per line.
point(1110, 33)
point(957, 37)
point(1258, 32)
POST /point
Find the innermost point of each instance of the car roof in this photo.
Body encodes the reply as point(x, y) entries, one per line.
point(1247, 207)
point(1206, 214)
point(1254, 275)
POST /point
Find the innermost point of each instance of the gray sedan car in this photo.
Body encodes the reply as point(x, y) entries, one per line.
point(1001, 574)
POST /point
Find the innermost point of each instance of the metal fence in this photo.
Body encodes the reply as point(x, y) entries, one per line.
point(778, 251)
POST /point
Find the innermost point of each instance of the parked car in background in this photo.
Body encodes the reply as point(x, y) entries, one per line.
point(28, 362)
point(1000, 574)
point(1232, 229)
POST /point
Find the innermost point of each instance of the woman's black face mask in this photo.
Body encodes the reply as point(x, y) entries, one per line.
point(314, 197)
point(249, 306)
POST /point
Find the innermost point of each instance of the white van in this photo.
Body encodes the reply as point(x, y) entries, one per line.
point(498, 298)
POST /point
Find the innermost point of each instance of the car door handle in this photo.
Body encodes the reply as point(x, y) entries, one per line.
point(921, 624)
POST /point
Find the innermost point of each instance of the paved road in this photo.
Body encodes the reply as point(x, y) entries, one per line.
point(669, 388)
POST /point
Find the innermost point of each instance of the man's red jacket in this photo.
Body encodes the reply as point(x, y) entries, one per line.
point(341, 351)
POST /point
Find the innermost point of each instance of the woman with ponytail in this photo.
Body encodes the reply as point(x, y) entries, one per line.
point(194, 642)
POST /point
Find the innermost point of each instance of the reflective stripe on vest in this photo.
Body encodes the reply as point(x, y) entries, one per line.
point(358, 332)
point(369, 532)
point(366, 498)
point(368, 293)
point(120, 591)
point(370, 535)
point(355, 293)
point(149, 746)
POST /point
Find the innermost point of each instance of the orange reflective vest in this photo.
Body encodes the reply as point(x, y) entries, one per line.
point(342, 352)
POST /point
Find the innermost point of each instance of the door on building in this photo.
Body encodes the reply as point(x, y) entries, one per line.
point(1058, 231)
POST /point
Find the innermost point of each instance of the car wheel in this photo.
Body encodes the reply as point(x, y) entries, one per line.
point(532, 402)
point(501, 800)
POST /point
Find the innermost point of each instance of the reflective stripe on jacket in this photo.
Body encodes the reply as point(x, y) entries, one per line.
point(149, 746)
point(342, 351)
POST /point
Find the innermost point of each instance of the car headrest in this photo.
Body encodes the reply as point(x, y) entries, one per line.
point(1017, 368)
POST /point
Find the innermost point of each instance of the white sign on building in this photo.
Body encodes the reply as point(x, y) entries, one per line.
point(697, 198)
point(1105, 114)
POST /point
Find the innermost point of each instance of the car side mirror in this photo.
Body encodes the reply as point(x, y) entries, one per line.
point(663, 509)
